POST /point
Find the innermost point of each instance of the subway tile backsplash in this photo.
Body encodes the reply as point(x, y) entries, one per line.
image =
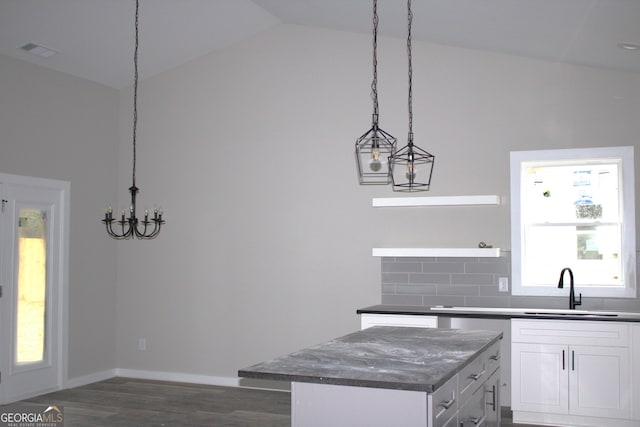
point(469, 282)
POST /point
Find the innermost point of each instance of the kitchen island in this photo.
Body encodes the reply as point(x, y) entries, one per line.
point(388, 375)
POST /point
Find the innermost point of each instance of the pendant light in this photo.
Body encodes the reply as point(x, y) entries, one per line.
point(130, 227)
point(411, 167)
point(375, 146)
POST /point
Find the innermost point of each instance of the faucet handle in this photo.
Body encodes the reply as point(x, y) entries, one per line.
point(579, 301)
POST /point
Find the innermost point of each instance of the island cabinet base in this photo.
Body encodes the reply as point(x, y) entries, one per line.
point(322, 405)
point(562, 420)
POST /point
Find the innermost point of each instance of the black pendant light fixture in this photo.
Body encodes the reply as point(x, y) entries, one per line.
point(411, 167)
point(375, 146)
point(130, 227)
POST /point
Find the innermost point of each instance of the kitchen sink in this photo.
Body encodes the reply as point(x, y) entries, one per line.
point(482, 309)
point(570, 313)
point(537, 311)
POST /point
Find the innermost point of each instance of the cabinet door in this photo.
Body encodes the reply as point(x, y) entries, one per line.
point(539, 376)
point(600, 381)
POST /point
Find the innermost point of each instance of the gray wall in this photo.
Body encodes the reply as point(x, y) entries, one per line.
point(249, 150)
point(56, 126)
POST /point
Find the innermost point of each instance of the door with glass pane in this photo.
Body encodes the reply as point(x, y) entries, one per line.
point(31, 306)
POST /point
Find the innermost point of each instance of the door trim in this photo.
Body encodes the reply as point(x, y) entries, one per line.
point(63, 189)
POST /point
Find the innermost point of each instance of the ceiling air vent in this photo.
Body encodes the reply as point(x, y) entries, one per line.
point(38, 50)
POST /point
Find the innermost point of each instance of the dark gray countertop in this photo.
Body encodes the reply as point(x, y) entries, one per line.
point(419, 359)
point(503, 313)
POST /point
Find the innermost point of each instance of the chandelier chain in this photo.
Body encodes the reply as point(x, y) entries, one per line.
point(135, 94)
point(374, 83)
point(410, 70)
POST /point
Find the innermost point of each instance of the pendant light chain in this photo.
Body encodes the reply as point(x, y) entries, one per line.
point(375, 146)
point(410, 167)
point(374, 83)
point(410, 70)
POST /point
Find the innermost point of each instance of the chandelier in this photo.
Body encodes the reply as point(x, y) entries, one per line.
point(410, 167)
point(375, 146)
point(128, 227)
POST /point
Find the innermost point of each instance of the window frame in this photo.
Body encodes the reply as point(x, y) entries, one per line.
point(625, 155)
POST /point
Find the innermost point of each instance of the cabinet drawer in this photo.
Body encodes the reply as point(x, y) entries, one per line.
point(570, 332)
point(453, 421)
point(493, 358)
point(477, 372)
point(483, 406)
point(368, 320)
point(473, 411)
point(445, 402)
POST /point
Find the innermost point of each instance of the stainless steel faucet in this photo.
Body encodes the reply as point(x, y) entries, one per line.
point(572, 296)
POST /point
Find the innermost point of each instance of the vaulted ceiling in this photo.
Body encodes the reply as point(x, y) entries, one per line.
point(93, 39)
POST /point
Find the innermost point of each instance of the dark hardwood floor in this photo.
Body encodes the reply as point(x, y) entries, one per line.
point(133, 402)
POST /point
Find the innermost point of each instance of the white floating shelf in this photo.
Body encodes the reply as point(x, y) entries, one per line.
point(437, 252)
point(436, 201)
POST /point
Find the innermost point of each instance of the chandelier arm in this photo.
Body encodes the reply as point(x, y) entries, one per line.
point(118, 236)
point(144, 235)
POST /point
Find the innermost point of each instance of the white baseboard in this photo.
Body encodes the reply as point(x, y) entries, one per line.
point(88, 379)
point(175, 377)
point(178, 377)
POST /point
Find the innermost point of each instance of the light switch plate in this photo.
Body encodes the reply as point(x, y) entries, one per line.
point(503, 284)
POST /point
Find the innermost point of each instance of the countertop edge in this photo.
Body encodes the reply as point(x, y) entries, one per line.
point(425, 388)
point(433, 311)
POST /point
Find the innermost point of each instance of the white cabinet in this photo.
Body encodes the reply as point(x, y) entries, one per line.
point(539, 378)
point(600, 381)
point(368, 320)
point(571, 372)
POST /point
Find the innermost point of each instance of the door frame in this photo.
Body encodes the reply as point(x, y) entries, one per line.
point(63, 189)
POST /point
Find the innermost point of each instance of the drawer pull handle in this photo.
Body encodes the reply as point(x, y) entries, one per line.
point(476, 377)
point(448, 403)
point(476, 420)
point(495, 357)
point(493, 397)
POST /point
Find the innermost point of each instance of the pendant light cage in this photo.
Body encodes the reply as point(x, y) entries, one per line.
point(375, 146)
point(411, 167)
point(373, 150)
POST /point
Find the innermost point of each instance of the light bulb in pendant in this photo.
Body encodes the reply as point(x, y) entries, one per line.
point(411, 172)
point(375, 164)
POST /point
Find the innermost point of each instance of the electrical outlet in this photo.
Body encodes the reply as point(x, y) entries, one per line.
point(142, 344)
point(503, 284)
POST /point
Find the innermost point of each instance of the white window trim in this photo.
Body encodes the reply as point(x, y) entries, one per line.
point(626, 154)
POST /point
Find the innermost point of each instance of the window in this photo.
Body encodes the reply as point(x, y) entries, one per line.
point(573, 208)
